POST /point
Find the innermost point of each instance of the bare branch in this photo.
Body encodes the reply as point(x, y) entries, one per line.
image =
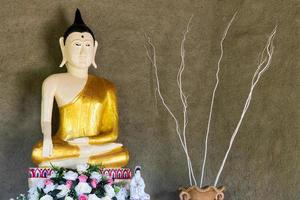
point(180, 132)
point(262, 67)
point(213, 98)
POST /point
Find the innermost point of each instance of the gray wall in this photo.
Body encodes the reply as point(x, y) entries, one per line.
point(264, 160)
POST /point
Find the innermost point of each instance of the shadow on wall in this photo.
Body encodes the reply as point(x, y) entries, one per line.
point(24, 123)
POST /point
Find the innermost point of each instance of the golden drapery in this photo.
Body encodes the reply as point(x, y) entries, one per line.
point(93, 114)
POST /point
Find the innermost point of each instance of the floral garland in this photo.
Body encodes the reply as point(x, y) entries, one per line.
point(84, 183)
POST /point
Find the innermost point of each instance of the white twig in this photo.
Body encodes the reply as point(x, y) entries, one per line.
point(181, 133)
point(264, 64)
point(213, 97)
point(181, 93)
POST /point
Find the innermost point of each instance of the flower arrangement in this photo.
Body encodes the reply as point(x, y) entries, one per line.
point(83, 183)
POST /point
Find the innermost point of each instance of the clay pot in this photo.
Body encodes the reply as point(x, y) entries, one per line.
point(206, 193)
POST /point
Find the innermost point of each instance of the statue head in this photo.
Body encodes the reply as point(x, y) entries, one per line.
point(78, 45)
point(137, 171)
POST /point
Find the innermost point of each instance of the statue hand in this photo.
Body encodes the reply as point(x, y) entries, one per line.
point(79, 141)
point(47, 146)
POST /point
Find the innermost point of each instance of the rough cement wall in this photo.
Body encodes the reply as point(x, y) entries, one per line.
point(264, 163)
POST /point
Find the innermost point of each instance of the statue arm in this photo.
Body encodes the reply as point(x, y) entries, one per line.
point(109, 121)
point(48, 92)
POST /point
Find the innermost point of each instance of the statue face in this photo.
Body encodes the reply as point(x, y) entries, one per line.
point(138, 173)
point(80, 49)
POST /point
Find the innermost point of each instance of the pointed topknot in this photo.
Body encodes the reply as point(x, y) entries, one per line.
point(78, 20)
point(78, 26)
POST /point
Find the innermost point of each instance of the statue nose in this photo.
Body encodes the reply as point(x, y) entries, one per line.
point(82, 49)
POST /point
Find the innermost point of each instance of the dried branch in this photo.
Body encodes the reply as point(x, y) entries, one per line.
point(180, 132)
point(213, 98)
point(264, 64)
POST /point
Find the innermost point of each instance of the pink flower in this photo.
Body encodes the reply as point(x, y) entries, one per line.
point(94, 183)
point(83, 197)
point(110, 181)
point(69, 184)
point(82, 178)
point(48, 182)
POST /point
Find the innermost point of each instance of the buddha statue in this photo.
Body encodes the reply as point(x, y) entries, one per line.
point(88, 124)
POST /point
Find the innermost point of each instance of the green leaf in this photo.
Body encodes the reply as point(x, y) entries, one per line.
point(54, 192)
point(73, 193)
point(100, 192)
point(55, 168)
point(117, 189)
point(93, 168)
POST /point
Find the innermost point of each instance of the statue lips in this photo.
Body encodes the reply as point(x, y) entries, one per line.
point(83, 59)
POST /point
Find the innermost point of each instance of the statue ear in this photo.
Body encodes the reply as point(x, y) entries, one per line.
point(62, 47)
point(95, 50)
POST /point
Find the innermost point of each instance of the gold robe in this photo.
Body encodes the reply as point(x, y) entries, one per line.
point(93, 114)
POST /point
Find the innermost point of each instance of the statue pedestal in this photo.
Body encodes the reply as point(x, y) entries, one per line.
point(36, 174)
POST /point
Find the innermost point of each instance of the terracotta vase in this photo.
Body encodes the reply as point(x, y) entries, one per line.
point(206, 193)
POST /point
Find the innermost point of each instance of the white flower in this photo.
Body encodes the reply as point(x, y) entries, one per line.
point(93, 197)
point(82, 168)
point(96, 175)
point(40, 184)
point(68, 198)
point(46, 197)
point(109, 191)
point(70, 175)
point(64, 191)
point(33, 194)
point(106, 177)
point(122, 194)
point(49, 188)
point(83, 187)
point(106, 198)
point(53, 174)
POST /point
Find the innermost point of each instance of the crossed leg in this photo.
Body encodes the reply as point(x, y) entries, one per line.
point(67, 155)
